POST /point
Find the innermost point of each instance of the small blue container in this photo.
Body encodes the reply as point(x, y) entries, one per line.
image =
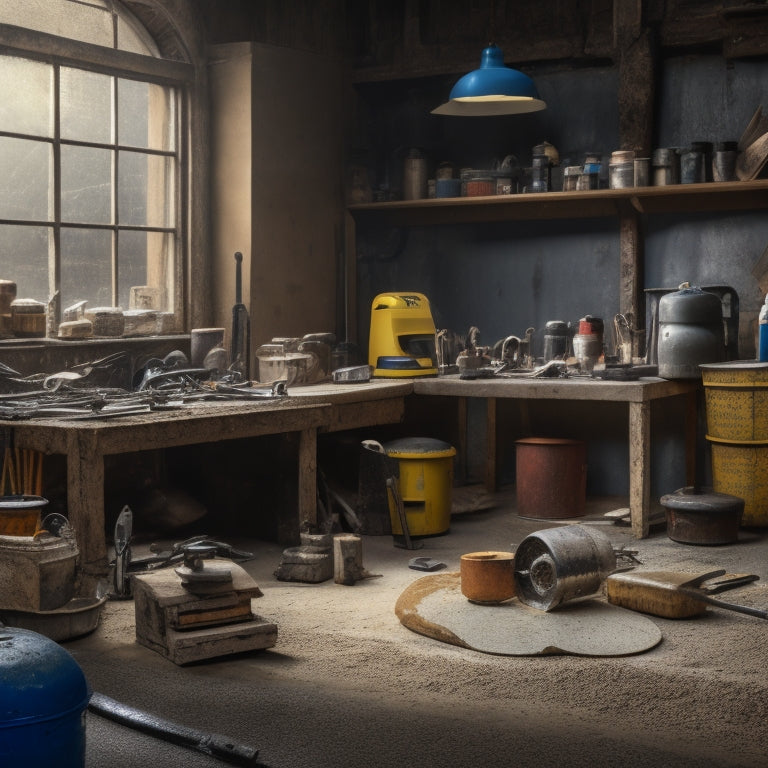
point(43, 699)
point(448, 188)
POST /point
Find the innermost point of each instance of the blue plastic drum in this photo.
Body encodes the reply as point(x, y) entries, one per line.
point(43, 699)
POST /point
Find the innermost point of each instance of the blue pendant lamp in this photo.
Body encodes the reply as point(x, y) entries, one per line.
point(494, 89)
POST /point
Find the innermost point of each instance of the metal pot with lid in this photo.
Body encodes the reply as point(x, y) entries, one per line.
point(690, 332)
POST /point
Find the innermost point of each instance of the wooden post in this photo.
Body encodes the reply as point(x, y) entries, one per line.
point(347, 559)
point(639, 467)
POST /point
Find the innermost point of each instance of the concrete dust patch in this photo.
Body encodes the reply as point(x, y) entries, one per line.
point(434, 606)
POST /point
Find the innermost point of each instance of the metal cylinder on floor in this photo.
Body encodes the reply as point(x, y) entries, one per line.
point(551, 477)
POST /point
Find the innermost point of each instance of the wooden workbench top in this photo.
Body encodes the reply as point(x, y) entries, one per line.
point(573, 388)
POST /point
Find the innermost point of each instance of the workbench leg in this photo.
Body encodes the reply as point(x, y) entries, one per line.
point(491, 458)
point(639, 468)
point(85, 505)
point(308, 477)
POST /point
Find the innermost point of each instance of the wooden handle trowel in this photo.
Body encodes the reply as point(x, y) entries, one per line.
point(673, 595)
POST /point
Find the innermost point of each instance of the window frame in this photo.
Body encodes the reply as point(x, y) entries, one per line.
point(182, 75)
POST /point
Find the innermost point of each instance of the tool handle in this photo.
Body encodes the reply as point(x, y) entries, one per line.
point(698, 595)
point(212, 744)
point(238, 277)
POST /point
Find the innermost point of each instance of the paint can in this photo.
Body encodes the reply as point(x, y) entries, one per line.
point(724, 161)
point(665, 163)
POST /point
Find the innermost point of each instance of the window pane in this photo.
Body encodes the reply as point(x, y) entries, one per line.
point(86, 267)
point(25, 259)
point(145, 190)
point(86, 106)
point(146, 259)
point(61, 17)
point(86, 185)
point(26, 96)
point(26, 189)
point(147, 115)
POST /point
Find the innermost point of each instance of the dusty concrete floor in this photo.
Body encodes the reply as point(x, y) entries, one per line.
point(348, 685)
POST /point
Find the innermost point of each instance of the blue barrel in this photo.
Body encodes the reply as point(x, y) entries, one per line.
point(43, 698)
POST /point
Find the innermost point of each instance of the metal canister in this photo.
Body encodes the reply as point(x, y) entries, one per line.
point(560, 564)
point(621, 175)
point(555, 340)
point(414, 176)
point(540, 167)
point(692, 167)
point(724, 161)
point(691, 332)
point(665, 163)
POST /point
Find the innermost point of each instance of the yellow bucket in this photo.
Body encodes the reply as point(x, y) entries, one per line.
point(425, 484)
point(736, 396)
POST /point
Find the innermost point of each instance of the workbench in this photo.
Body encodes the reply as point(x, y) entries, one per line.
point(638, 395)
point(310, 410)
point(306, 411)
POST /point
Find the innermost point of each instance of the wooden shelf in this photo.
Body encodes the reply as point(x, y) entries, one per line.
point(680, 198)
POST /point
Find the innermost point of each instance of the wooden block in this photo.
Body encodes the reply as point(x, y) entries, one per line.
point(208, 643)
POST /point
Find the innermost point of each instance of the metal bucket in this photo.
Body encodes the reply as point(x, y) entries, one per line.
point(736, 396)
point(43, 698)
point(561, 564)
point(551, 477)
point(702, 516)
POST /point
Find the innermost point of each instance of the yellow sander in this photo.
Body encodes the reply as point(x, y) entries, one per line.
point(402, 336)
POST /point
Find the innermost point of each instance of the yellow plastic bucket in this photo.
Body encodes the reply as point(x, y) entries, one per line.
point(736, 397)
point(425, 484)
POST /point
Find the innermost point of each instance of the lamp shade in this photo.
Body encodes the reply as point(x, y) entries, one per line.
point(493, 89)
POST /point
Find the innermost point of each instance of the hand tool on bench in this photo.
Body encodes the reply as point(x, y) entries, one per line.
point(674, 595)
point(241, 326)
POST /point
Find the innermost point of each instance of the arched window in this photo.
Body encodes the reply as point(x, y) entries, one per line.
point(93, 147)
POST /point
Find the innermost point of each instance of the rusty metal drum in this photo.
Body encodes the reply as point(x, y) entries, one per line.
point(551, 477)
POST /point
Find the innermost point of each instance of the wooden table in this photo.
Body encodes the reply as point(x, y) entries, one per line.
point(637, 394)
point(306, 411)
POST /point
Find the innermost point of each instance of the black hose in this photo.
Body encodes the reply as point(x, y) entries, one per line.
point(211, 744)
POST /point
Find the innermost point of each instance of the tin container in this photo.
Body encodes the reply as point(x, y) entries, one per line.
point(571, 176)
point(414, 176)
point(621, 175)
point(447, 188)
point(692, 167)
point(665, 164)
point(480, 187)
point(555, 340)
point(724, 161)
point(642, 171)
